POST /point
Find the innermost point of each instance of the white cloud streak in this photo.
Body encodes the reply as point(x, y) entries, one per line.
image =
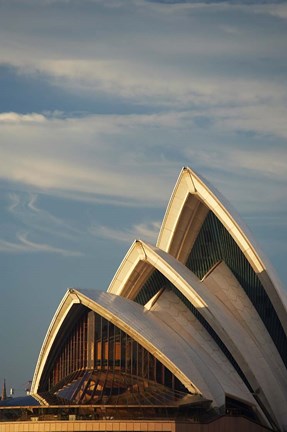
point(218, 74)
point(24, 208)
point(12, 117)
point(120, 157)
point(147, 232)
point(24, 245)
point(160, 66)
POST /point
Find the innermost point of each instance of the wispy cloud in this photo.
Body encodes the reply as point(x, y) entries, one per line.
point(14, 201)
point(49, 157)
point(277, 9)
point(24, 245)
point(24, 208)
point(262, 162)
point(12, 117)
point(213, 94)
point(27, 220)
point(262, 118)
point(160, 67)
point(147, 232)
point(122, 156)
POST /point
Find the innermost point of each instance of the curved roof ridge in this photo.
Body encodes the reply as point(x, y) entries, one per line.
point(197, 293)
point(191, 183)
point(57, 321)
point(148, 330)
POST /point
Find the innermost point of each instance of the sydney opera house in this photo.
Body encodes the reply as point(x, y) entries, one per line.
point(191, 335)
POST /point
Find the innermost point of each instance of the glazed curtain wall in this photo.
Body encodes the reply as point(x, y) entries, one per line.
point(213, 244)
point(73, 353)
point(96, 344)
point(158, 281)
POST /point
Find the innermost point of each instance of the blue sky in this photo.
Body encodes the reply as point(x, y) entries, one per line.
point(102, 103)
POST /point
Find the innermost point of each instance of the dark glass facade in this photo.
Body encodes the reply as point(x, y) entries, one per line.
point(99, 363)
point(73, 354)
point(158, 281)
point(214, 244)
point(154, 283)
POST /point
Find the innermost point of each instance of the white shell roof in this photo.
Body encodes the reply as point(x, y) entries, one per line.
point(146, 327)
point(230, 323)
point(190, 183)
point(184, 349)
